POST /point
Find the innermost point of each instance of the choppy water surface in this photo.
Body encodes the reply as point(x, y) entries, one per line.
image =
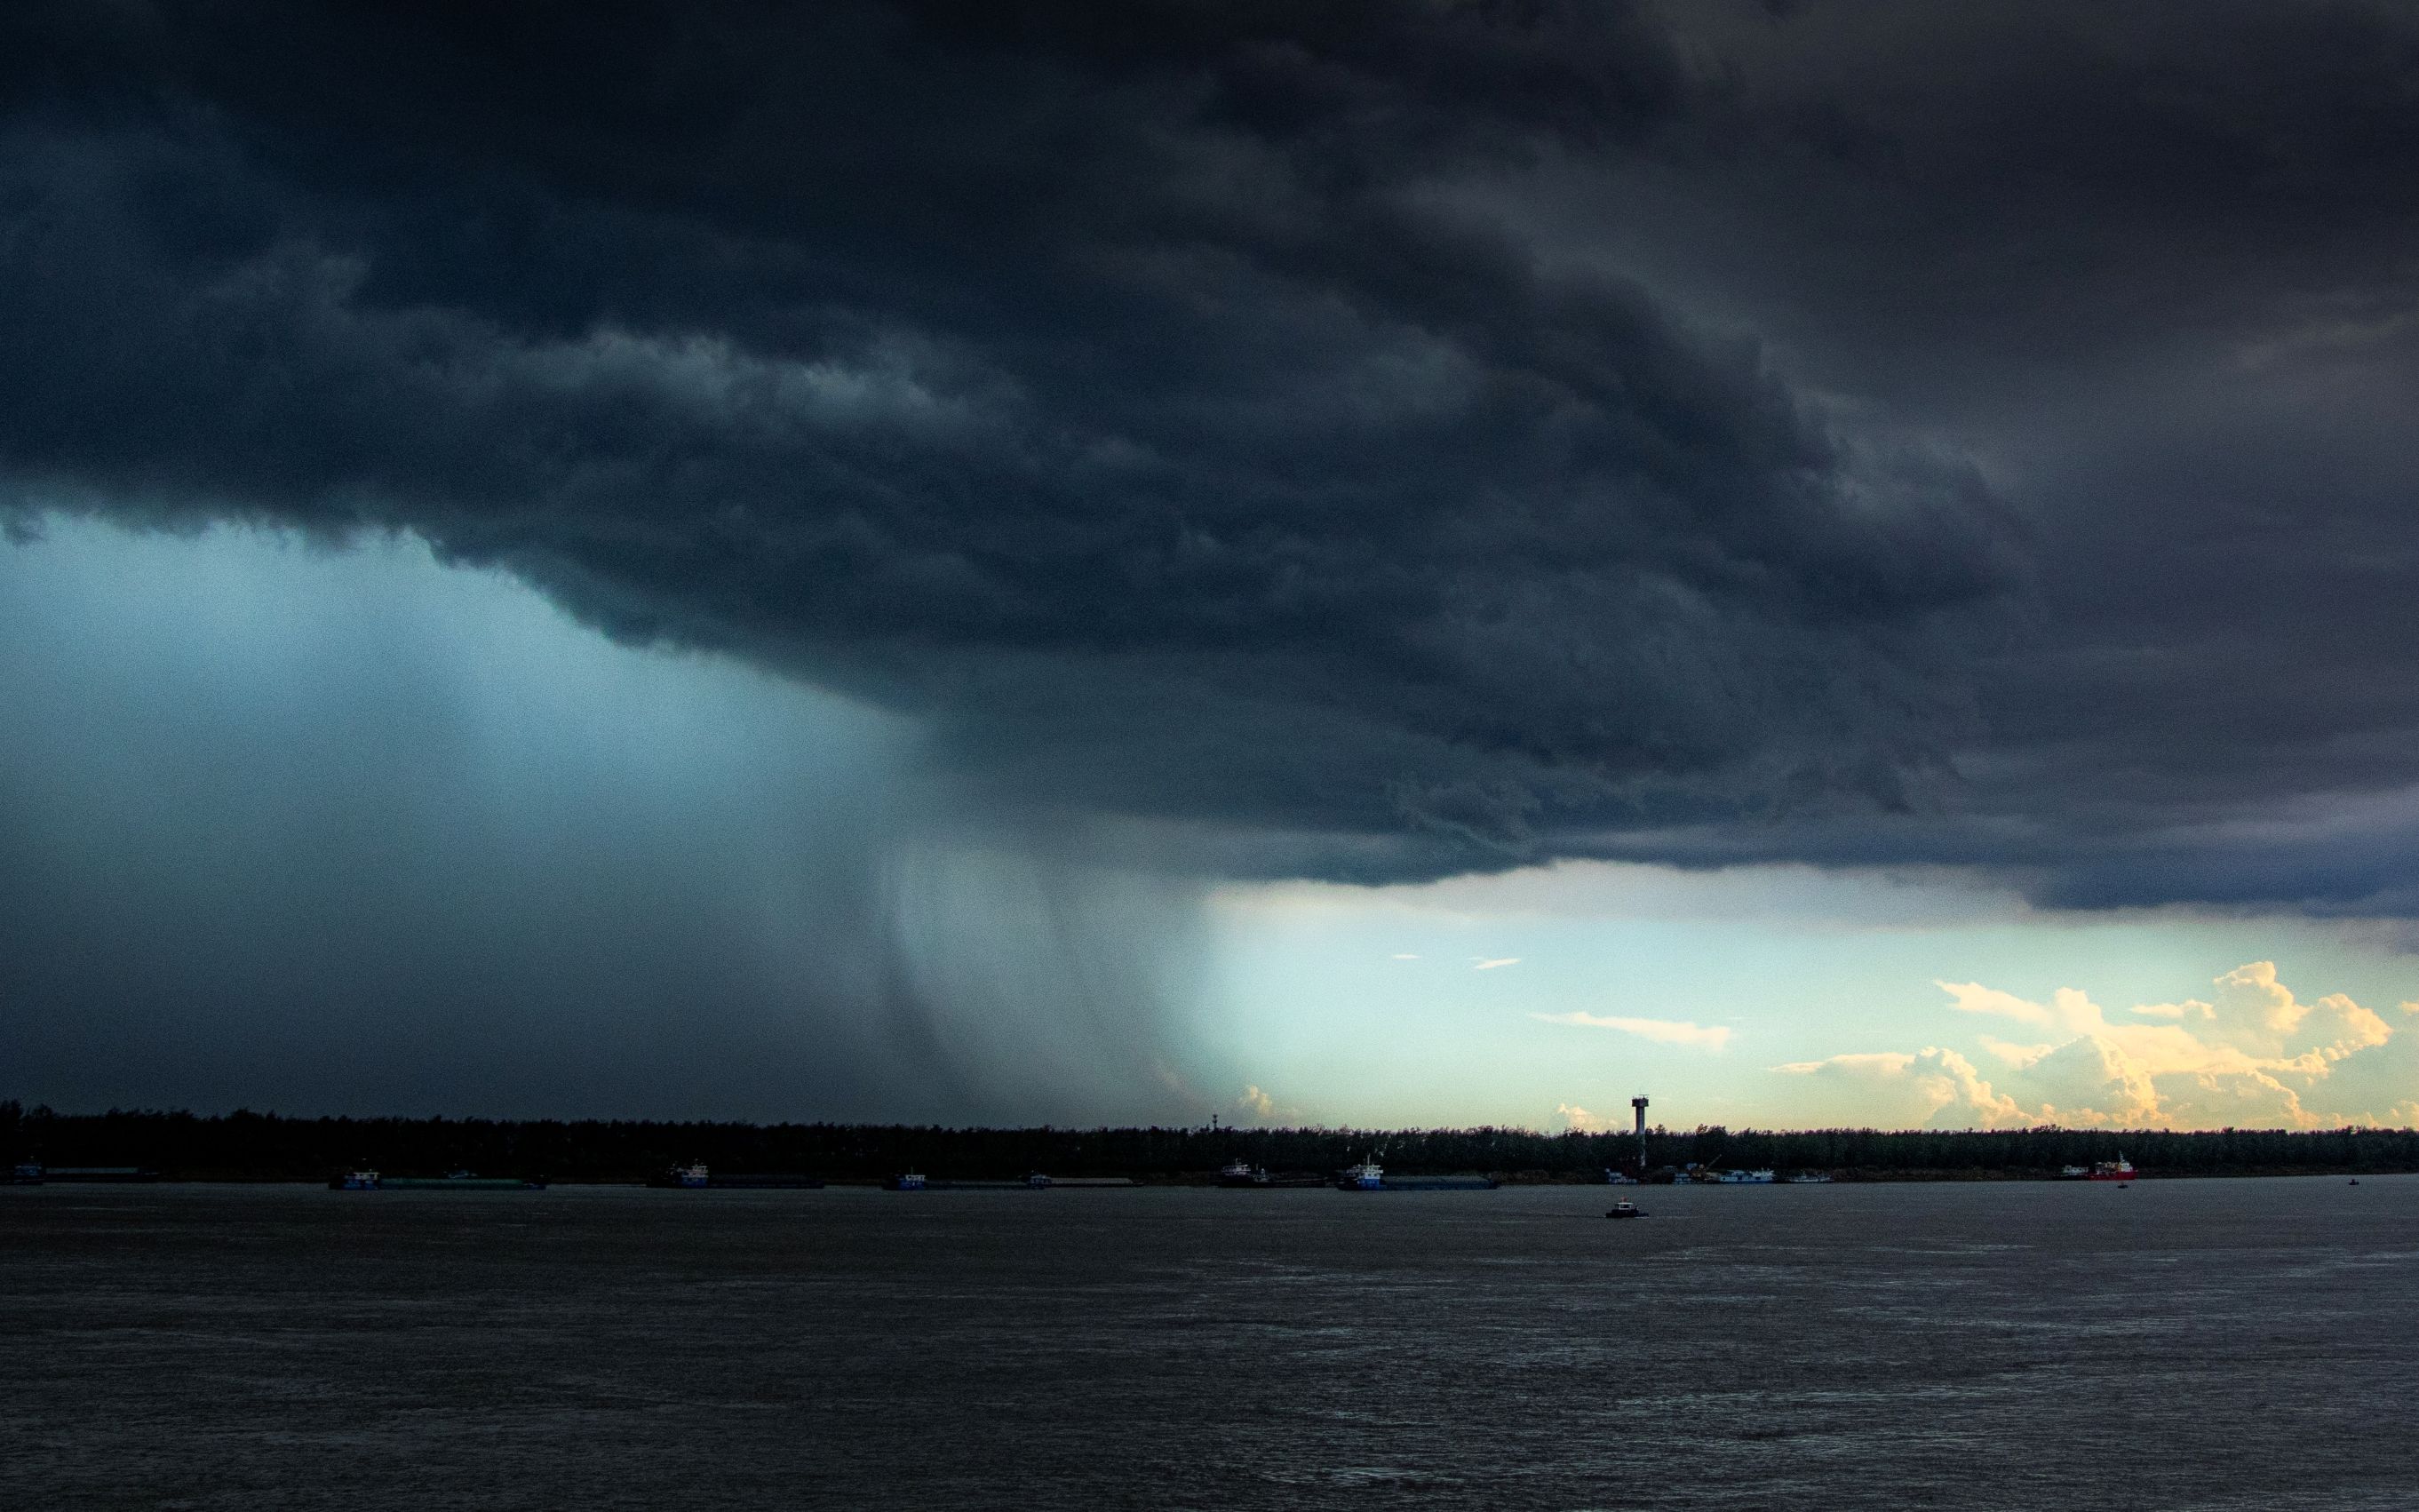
point(2172, 1344)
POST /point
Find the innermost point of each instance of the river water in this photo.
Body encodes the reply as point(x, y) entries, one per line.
point(2170, 1345)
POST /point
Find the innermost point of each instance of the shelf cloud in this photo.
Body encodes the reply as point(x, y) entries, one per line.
point(1347, 444)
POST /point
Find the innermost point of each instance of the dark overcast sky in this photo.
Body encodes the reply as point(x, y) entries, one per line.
point(1348, 442)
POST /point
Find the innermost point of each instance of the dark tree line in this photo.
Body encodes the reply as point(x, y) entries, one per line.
point(246, 1146)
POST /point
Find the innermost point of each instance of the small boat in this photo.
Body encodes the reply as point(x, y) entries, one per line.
point(363, 1180)
point(1240, 1172)
point(1624, 1209)
point(1366, 1177)
point(905, 1181)
point(691, 1177)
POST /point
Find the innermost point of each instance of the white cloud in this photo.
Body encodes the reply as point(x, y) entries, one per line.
point(2253, 1055)
point(2175, 1011)
point(1485, 963)
point(1662, 1032)
point(1930, 1087)
point(1871, 1063)
point(1404, 955)
point(1577, 1118)
point(2090, 1082)
point(2018, 1055)
point(1257, 1105)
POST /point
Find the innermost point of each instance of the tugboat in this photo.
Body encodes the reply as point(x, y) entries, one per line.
point(363, 1180)
point(1366, 1177)
point(904, 1182)
point(1624, 1208)
point(689, 1177)
point(1240, 1172)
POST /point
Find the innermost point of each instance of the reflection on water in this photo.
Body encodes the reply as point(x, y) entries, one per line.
point(2183, 1344)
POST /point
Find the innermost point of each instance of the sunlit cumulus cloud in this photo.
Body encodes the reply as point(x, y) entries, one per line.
point(1580, 1120)
point(2253, 1054)
point(1257, 1106)
point(1932, 1085)
point(1662, 1032)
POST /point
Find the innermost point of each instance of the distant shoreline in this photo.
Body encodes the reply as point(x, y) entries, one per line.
point(248, 1146)
point(1189, 1180)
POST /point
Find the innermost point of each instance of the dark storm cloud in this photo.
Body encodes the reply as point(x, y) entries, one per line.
point(1364, 441)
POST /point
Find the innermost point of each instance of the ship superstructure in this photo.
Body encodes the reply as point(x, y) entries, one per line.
point(2120, 1169)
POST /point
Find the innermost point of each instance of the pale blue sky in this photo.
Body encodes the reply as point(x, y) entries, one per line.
point(1799, 965)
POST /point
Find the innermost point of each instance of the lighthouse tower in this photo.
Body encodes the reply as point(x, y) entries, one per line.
point(1639, 1105)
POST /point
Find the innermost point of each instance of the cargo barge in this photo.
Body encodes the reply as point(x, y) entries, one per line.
point(912, 1181)
point(695, 1177)
point(2120, 1169)
point(1244, 1176)
point(1370, 1177)
point(370, 1180)
point(32, 1173)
